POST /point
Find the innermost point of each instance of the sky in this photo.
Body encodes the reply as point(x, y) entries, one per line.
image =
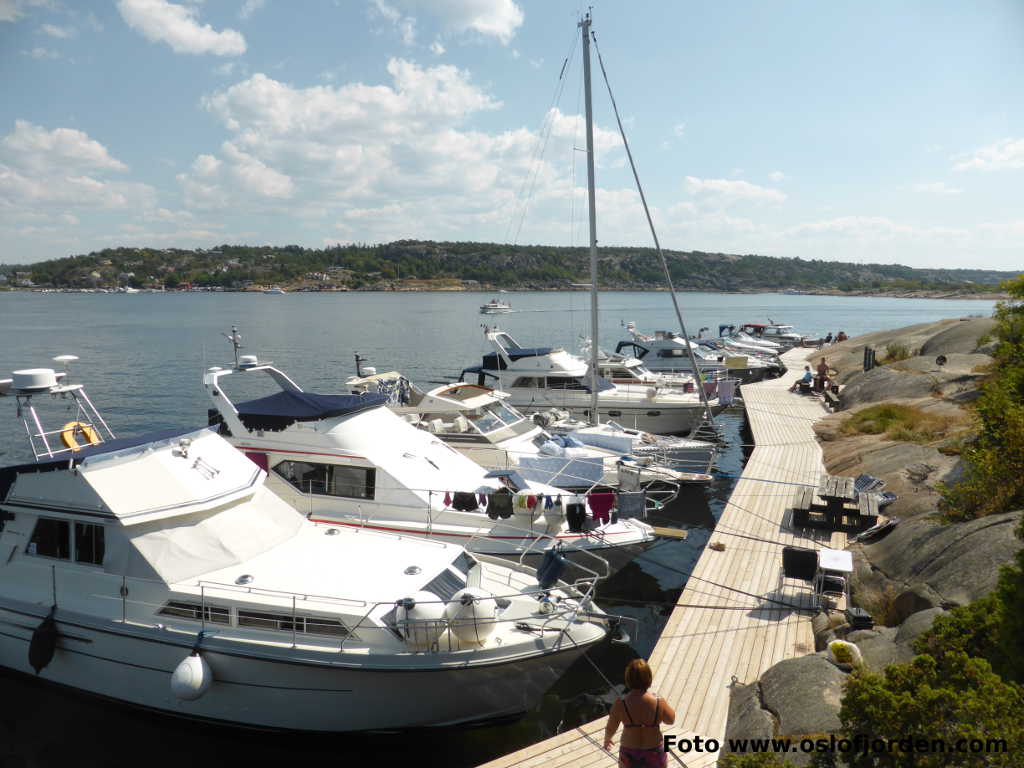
point(871, 132)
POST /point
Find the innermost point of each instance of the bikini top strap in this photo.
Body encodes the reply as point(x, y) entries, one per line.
point(657, 710)
point(631, 722)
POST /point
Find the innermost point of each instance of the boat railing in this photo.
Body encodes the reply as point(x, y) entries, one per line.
point(321, 620)
point(86, 427)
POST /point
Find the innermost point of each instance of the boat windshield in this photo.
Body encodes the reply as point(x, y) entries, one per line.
point(494, 416)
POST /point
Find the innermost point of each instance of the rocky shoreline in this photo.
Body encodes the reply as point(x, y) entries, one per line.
point(923, 567)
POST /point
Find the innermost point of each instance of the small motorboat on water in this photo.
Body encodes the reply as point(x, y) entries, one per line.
point(496, 307)
point(348, 459)
point(162, 572)
point(783, 335)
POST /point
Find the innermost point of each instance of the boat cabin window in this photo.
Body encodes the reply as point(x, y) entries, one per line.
point(529, 382)
point(284, 622)
point(446, 584)
point(672, 353)
point(52, 538)
point(494, 416)
point(506, 342)
point(197, 611)
point(329, 479)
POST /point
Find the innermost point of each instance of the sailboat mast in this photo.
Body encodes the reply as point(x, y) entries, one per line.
point(595, 417)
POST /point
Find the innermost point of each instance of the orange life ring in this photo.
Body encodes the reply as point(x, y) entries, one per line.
point(74, 431)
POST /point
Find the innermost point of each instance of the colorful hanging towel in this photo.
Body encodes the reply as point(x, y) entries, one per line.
point(531, 502)
point(600, 505)
point(483, 499)
point(447, 498)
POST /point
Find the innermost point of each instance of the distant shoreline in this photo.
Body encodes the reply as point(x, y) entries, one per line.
point(981, 296)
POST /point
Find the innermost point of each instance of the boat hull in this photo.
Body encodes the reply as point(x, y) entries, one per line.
point(296, 691)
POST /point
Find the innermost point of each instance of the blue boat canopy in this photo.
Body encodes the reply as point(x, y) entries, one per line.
point(494, 360)
point(281, 410)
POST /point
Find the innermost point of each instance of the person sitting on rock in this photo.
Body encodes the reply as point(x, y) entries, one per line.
point(841, 337)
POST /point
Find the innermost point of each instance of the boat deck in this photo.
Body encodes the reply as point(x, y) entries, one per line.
point(703, 649)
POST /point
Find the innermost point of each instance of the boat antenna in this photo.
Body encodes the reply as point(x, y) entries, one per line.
point(595, 417)
point(654, 234)
point(236, 341)
point(359, 362)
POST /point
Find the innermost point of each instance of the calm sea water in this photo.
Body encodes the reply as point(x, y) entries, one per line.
point(142, 358)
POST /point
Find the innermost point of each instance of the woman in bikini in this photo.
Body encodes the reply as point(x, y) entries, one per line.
point(640, 713)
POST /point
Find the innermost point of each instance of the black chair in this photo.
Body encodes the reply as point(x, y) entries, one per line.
point(799, 563)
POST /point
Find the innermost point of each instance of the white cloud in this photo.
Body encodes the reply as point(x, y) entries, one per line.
point(679, 130)
point(776, 176)
point(938, 188)
point(177, 25)
point(436, 48)
point(41, 53)
point(34, 148)
point(249, 7)
point(47, 172)
point(1002, 155)
point(62, 33)
point(406, 25)
point(728, 192)
point(13, 10)
point(498, 19)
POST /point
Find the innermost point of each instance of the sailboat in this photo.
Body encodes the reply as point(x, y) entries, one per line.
point(542, 378)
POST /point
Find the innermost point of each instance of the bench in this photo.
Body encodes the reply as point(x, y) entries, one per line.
point(867, 507)
point(831, 399)
point(803, 388)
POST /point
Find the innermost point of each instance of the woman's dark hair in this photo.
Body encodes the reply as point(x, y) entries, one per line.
point(638, 675)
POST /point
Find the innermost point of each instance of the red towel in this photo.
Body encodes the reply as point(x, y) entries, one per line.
point(601, 505)
point(447, 498)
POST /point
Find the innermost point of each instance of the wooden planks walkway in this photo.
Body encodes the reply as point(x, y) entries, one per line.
point(717, 635)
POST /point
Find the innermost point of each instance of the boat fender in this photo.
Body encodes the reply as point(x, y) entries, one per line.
point(191, 678)
point(471, 615)
point(421, 618)
point(43, 643)
point(551, 568)
point(845, 654)
point(652, 392)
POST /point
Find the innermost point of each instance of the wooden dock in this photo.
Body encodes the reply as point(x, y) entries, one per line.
point(740, 633)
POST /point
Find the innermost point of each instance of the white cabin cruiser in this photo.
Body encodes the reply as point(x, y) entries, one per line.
point(478, 422)
point(348, 459)
point(162, 572)
point(783, 335)
point(496, 307)
point(541, 378)
point(669, 352)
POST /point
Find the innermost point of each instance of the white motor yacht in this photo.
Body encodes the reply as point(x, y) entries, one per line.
point(668, 352)
point(161, 572)
point(496, 307)
point(783, 335)
point(541, 378)
point(348, 459)
point(479, 422)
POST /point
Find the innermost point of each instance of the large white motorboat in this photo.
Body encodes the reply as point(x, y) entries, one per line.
point(496, 307)
point(785, 336)
point(669, 352)
point(541, 378)
point(163, 573)
point(348, 459)
point(479, 422)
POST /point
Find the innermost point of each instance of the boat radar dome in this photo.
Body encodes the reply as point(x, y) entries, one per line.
point(35, 379)
point(369, 371)
point(248, 361)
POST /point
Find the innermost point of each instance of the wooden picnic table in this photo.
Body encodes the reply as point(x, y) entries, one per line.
point(843, 509)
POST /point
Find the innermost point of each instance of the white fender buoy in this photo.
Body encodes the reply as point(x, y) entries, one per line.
point(842, 652)
point(420, 617)
point(471, 613)
point(191, 678)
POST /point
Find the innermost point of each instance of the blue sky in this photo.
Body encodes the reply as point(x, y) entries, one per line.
point(845, 131)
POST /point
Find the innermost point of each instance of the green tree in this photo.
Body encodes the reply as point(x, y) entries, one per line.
point(961, 700)
point(994, 478)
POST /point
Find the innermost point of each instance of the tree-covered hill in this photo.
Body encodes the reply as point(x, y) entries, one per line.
point(429, 264)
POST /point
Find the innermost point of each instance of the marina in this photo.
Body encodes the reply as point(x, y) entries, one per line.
point(734, 619)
